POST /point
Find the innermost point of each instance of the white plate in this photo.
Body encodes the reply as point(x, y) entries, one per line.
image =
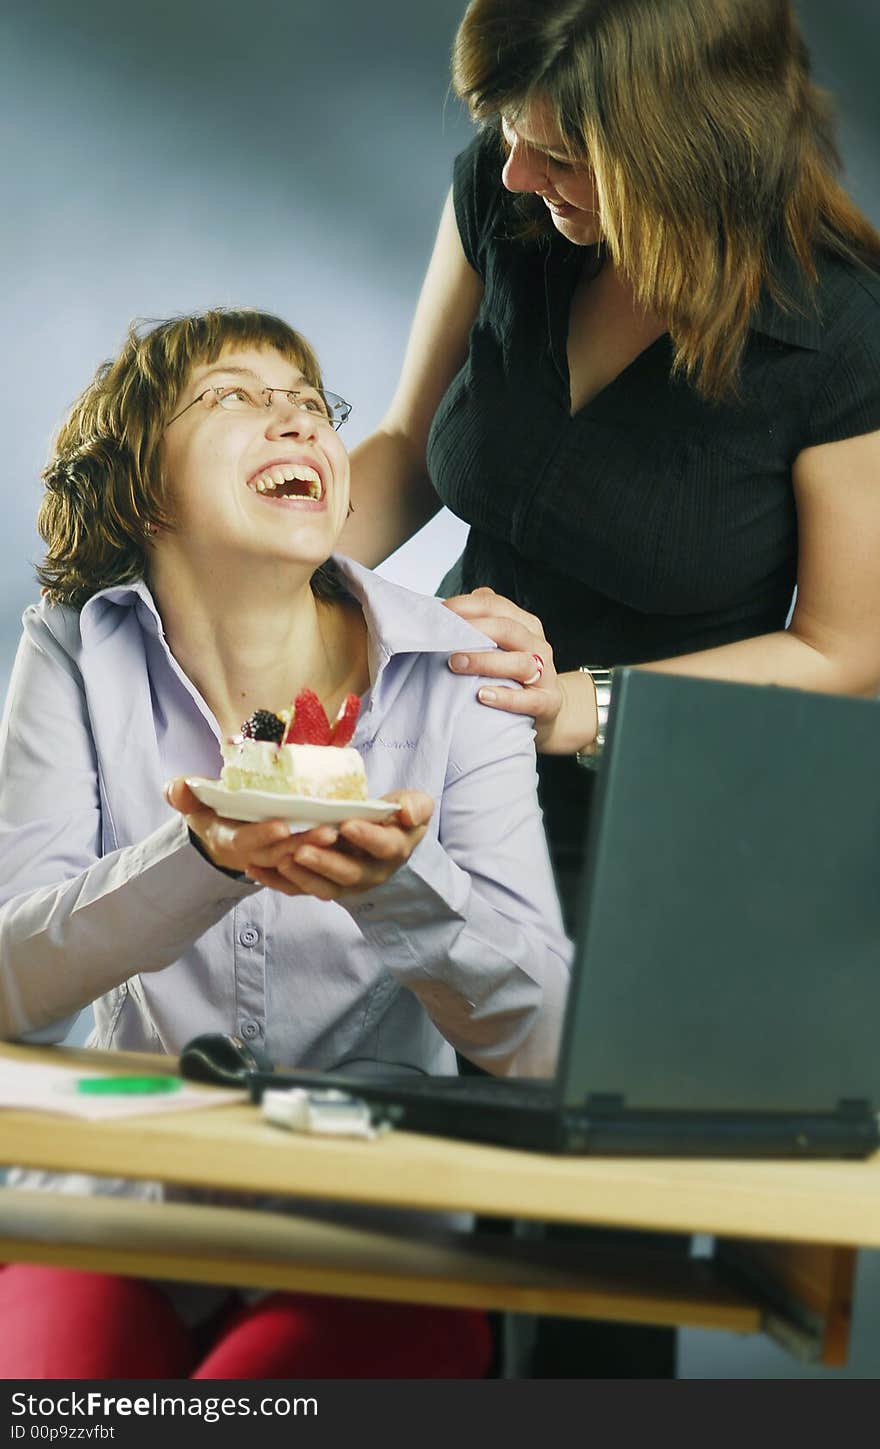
point(301, 810)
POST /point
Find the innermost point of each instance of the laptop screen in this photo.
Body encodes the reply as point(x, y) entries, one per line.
point(729, 950)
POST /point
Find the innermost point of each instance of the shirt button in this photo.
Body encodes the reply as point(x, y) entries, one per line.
point(248, 936)
point(250, 1029)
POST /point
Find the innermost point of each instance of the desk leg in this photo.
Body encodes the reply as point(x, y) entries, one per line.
point(808, 1289)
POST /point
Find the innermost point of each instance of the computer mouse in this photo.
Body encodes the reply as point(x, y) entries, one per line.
point(220, 1057)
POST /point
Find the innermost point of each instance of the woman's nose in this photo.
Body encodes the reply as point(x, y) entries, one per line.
point(288, 420)
point(524, 169)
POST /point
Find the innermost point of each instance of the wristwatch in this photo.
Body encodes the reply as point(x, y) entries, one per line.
point(590, 756)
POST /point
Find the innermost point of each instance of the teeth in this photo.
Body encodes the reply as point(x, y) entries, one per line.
point(276, 478)
point(304, 474)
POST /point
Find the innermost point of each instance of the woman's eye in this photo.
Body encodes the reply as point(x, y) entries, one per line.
point(236, 397)
point(315, 405)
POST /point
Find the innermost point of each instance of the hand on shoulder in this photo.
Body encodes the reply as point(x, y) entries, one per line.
point(562, 705)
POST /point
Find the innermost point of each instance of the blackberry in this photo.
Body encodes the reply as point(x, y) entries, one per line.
point(263, 725)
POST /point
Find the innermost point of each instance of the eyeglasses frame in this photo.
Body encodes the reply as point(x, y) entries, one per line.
point(266, 394)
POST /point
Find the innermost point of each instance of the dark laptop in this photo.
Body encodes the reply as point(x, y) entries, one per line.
point(725, 997)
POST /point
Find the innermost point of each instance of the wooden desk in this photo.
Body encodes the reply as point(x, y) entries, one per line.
point(814, 1213)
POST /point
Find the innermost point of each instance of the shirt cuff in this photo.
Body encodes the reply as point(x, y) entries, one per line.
point(233, 874)
point(180, 882)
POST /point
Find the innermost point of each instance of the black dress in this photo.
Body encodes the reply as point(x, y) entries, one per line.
point(649, 524)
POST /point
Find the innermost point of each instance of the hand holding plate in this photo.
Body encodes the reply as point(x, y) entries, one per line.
point(365, 856)
point(234, 844)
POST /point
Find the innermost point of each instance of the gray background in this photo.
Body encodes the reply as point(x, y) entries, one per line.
point(165, 157)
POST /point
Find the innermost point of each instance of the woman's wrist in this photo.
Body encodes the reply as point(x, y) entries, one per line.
point(205, 853)
point(574, 728)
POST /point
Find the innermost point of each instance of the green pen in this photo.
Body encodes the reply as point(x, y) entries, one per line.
point(127, 1086)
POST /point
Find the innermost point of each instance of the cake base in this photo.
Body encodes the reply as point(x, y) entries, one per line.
point(322, 772)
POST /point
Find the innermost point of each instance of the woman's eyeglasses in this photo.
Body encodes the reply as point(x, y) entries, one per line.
point(327, 407)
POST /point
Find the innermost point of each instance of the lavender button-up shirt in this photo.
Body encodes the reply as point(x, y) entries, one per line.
point(104, 900)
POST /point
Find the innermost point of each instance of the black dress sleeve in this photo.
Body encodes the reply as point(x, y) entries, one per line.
point(477, 195)
point(846, 403)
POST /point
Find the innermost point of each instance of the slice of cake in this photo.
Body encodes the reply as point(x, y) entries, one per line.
point(298, 752)
point(320, 772)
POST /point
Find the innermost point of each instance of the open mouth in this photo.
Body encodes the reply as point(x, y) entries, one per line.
point(289, 480)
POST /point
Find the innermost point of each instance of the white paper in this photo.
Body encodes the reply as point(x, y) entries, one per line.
point(31, 1086)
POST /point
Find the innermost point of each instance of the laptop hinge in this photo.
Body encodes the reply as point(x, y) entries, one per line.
point(854, 1107)
point(606, 1124)
point(609, 1103)
point(605, 1103)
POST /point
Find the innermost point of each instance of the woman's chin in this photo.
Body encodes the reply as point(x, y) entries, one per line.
point(579, 228)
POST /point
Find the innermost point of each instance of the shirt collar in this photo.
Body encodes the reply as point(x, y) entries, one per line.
point(100, 615)
point(403, 622)
point(797, 320)
point(398, 620)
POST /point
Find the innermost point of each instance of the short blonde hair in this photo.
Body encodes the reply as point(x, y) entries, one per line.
point(103, 483)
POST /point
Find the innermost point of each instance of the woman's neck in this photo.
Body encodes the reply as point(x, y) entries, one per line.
point(254, 647)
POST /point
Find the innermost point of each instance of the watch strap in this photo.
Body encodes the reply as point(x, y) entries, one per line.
point(602, 678)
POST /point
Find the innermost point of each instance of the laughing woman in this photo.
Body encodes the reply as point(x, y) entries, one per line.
point(193, 501)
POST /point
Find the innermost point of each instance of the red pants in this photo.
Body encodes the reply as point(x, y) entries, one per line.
point(60, 1323)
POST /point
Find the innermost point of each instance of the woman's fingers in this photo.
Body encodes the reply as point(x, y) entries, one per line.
point(292, 881)
point(327, 861)
point(333, 874)
point(499, 664)
point(329, 872)
point(414, 807)
point(234, 844)
point(363, 855)
point(272, 880)
point(180, 796)
point(485, 603)
point(368, 853)
point(322, 883)
point(392, 841)
point(384, 844)
point(323, 835)
point(540, 704)
point(511, 634)
point(524, 653)
point(271, 856)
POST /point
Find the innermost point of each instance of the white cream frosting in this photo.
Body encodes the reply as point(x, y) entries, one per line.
point(321, 771)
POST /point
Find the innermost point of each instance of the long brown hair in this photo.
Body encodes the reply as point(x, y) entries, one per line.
point(713, 151)
point(104, 486)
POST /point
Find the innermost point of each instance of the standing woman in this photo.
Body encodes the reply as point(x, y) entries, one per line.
point(645, 368)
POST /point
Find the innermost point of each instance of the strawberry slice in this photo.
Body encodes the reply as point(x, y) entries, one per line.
point(309, 724)
point(342, 729)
